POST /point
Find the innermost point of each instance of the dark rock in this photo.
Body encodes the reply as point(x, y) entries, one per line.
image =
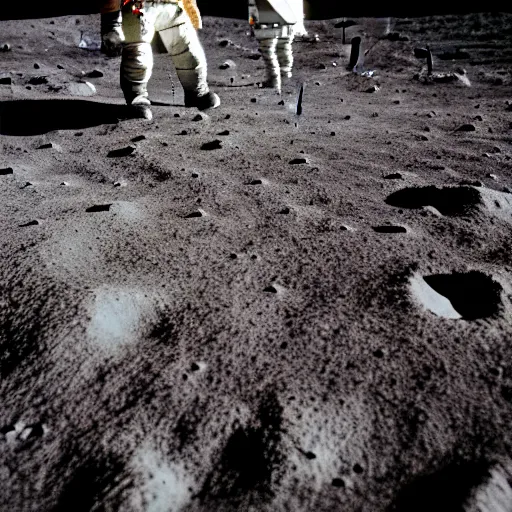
point(6, 170)
point(126, 151)
point(6, 47)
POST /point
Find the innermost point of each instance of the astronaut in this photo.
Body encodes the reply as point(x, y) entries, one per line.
point(132, 26)
point(275, 23)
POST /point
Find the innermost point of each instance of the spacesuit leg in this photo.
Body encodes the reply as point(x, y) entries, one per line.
point(137, 57)
point(285, 55)
point(182, 43)
point(268, 45)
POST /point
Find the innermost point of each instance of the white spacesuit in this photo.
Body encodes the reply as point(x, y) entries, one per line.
point(134, 28)
point(275, 24)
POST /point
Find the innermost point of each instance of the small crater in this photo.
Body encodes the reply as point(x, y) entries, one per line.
point(6, 170)
point(394, 176)
point(196, 214)
point(390, 229)
point(33, 222)
point(297, 161)
point(470, 295)
point(338, 482)
point(214, 144)
point(126, 151)
point(451, 201)
point(285, 211)
point(99, 208)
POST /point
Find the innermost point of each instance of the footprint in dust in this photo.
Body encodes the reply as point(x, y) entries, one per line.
point(469, 296)
point(119, 316)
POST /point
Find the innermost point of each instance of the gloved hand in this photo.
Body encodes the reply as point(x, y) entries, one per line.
point(112, 35)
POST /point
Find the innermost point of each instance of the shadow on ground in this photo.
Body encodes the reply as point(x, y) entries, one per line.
point(35, 117)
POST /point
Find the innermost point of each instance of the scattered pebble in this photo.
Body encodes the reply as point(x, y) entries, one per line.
point(225, 42)
point(120, 184)
point(64, 184)
point(492, 176)
point(253, 100)
point(348, 117)
point(225, 132)
point(214, 144)
point(183, 132)
point(59, 66)
point(373, 88)
point(138, 138)
point(285, 211)
point(199, 117)
point(333, 134)
point(281, 102)
point(126, 151)
point(478, 118)
point(176, 115)
point(6, 47)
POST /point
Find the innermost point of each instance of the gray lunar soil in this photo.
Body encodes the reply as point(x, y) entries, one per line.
point(311, 314)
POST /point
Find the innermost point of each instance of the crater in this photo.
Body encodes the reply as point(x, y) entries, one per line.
point(451, 201)
point(469, 296)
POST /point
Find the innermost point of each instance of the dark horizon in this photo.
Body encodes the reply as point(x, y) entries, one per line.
point(238, 9)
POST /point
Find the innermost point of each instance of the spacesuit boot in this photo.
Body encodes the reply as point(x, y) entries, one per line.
point(274, 23)
point(180, 40)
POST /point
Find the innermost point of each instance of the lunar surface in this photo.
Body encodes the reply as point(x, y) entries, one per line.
point(249, 309)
